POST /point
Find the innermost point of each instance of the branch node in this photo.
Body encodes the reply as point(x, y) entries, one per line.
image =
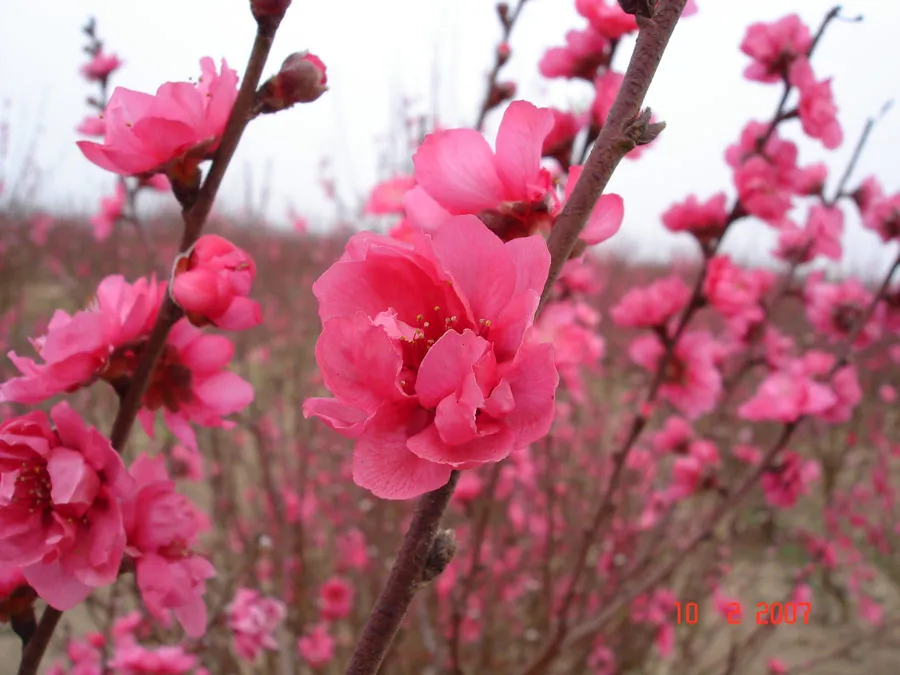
point(641, 131)
point(442, 550)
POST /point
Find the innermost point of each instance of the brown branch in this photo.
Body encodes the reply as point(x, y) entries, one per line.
point(616, 138)
point(194, 218)
point(37, 645)
point(402, 583)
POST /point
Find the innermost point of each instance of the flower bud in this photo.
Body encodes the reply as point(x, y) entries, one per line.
point(269, 8)
point(302, 79)
point(211, 283)
point(503, 52)
point(503, 12)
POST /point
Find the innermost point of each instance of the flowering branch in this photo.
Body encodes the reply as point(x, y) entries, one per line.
point(737, 495)
point(196, 211)
point(624, 129)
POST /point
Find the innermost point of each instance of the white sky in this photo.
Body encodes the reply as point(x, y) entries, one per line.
point(378, 51)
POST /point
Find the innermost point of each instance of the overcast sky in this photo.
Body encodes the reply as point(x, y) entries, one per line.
point(378, 51)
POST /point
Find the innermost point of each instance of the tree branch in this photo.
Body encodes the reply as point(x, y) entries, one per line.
point(616, 138)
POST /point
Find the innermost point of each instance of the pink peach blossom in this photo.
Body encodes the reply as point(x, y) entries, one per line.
point(387, 196)
point(190, 383)
point(316, 647)
point(818, 112)
point(836, 309)
point(774, 47)
point(767, 178)
point(211, 283)
point(652, 306)
point(101, 66)
point(353, 554)
point(736, 293)
point(60, 518)
point(606, 88)
point(509, 190)
point(162, 526)
point(821, 236)
point(692, 381)
point(787, 395)
point(785, 483)
point(111, 211)
point(427, 348)
point(76, 349)
point(776, 666)
point(92, 125)
point(882, 216)
point(336, 599)
point(571, 328)
point(559, 142)
point(254, 620)
point(606, 18)
point(585, 51)
point(172, 131)
point(130, 658)
point(705, 220)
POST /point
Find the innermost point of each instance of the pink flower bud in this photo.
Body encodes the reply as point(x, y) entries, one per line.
point(261, 8)
point(503, 52)
point(211, 283)
point(302, 79)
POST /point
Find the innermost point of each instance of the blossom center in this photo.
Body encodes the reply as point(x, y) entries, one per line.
point(170, 385)
point(427, 329)
point(846, 317)
point(33, 486)
point(675, 370)
point(519, 219)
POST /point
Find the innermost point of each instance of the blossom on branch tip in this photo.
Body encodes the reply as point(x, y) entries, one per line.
point(301, 79)
point(774, 47)
point(169, 132)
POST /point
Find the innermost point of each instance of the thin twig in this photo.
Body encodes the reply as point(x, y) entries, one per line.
point(613, 142)
point(486, 104)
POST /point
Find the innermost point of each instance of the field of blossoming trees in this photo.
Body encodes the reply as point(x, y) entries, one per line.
point(479, 443)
